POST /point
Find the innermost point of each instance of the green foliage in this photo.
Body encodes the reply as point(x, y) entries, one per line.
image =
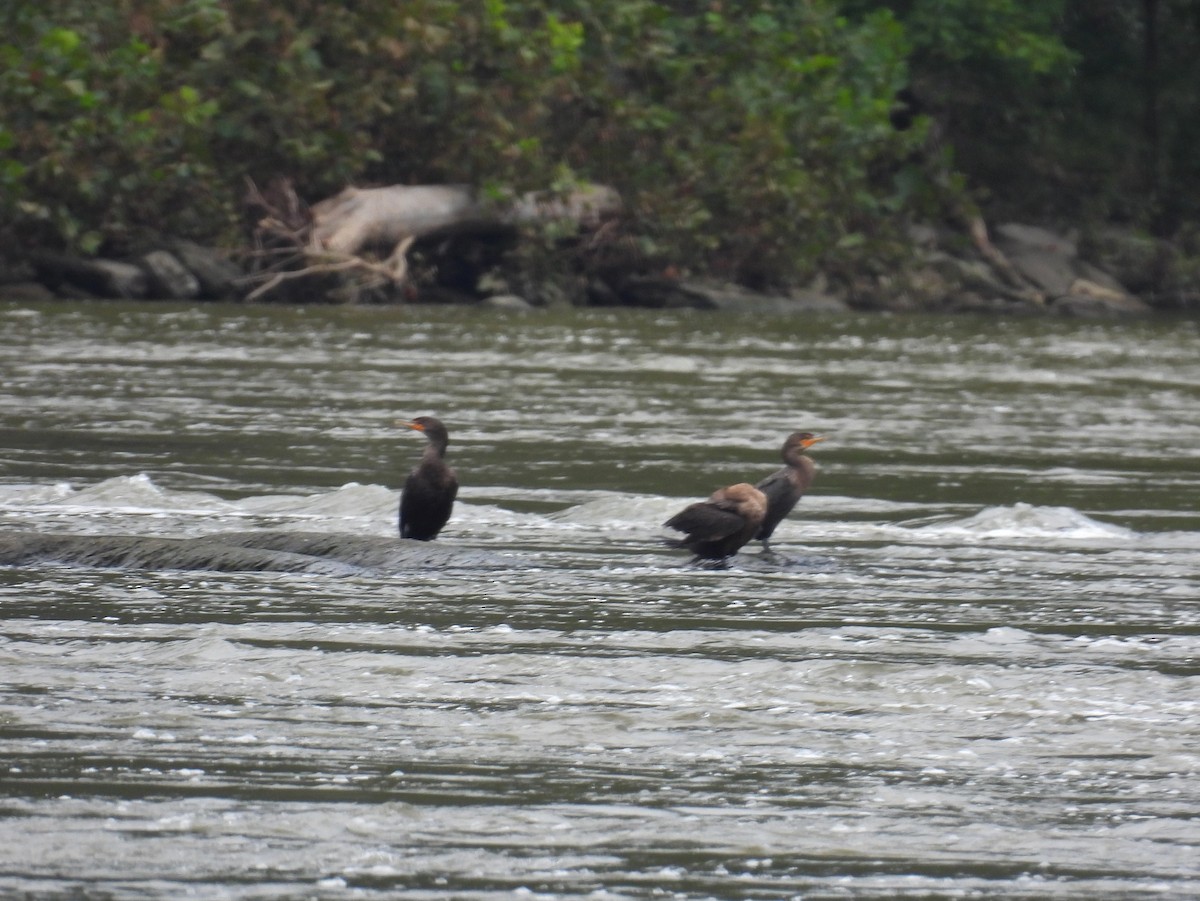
point(97, 137)
point(760, 163)
point(749, 140)
point(1130, 124)
point(1018, 38)
point(1074, 109)
point(993, 73)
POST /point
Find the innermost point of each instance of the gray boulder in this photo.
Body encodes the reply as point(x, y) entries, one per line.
point(1015, 236)
point(97, 277)
point(1074, 287)
point(1042, 257)
point(217, 274)
point(1050, 272)
point(169, 279)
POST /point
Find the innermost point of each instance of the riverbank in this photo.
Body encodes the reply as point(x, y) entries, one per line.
point(1011, 269)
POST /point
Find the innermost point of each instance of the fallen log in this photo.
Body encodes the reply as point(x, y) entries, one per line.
point(368, 232)
point(361, 218)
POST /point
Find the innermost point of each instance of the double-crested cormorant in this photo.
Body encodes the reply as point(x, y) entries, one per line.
point(786, 486)
point(718, 527)
point(432, 486)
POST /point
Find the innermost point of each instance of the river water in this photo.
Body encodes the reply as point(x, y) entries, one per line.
point(969, 670)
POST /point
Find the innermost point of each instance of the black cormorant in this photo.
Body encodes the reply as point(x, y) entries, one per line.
point(431, 487)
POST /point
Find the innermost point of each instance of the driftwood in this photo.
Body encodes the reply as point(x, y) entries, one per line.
point(360, 218)
point(368, 232)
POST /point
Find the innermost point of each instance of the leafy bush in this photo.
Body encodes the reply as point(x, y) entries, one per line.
point(1083, 110)
point(751, 141)
point(97, 138)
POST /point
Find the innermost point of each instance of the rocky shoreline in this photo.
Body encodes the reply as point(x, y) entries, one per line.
point(1016, 270)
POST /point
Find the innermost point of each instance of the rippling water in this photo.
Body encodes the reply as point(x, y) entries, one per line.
point(970, 669)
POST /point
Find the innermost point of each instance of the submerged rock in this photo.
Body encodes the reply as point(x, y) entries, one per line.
point(384, 554)
point(661, 292)
point(511, 303)
point(142, 552)
point(292, 552)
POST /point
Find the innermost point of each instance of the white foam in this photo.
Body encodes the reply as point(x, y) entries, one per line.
point(350, 500)
point(136, 493)
point(1026, 521)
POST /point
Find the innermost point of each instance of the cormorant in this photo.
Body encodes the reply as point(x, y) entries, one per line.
point(718, 527)
point(431, 487)
point(786, 486)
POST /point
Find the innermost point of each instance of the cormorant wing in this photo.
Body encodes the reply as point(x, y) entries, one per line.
point(707, 520)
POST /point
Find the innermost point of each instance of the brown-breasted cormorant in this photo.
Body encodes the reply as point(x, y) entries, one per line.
point(431, 487)
point(786, 486)
point(718, 527)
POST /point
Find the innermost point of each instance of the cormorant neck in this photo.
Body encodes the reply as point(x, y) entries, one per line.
point(793, 457)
